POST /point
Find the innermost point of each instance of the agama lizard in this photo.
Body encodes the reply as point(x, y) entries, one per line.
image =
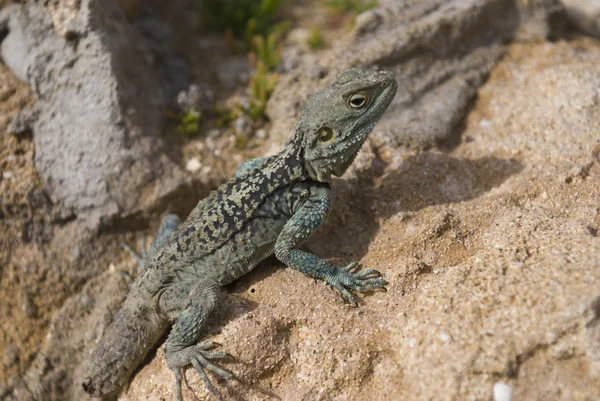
point(272, 205)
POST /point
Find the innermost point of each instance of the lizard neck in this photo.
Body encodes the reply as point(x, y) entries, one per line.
point(293, 157)
point(294, 153)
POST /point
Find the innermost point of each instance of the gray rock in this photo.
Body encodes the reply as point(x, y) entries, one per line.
point(98, 103)
point(585, 14)
point(22, 124)
point(14, 48)
point(232, 72)
point(317, 72)
point(440, 52)
point(540, 20)
point(242, 125)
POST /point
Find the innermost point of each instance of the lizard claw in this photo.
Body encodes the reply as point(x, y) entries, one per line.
point(201, 357)
point(348, 278)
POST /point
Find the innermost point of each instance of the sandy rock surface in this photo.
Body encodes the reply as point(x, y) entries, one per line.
point(491, 249)
point(477, 196)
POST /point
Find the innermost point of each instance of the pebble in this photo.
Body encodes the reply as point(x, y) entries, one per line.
point(213, 133)
point(242, 125)
point(298, 36)
point(317, 72)
point(502, 392)
point(261, 133)
point(193, 165)
point(367, 21)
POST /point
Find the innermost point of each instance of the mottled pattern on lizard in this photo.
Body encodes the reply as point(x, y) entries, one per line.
point(272, 205)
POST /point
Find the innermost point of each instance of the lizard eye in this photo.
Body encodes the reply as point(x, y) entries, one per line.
point(325, 134)
point(358, 100)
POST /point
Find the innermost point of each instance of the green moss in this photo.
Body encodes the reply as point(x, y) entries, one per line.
point(244, 18)
point(189, 122)
point(225, 115)
point(356, 6)
point(316, 39)
point(253, 21)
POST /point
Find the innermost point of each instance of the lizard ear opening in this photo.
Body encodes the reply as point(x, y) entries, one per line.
point(325, 134)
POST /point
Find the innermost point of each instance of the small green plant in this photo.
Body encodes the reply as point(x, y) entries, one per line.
point(189, 122)
point(225, 115)
point(252, 20)
point(241, 140)
point(268, 48)
point(262, 86)
point(265, 57)
point(356, 6)
point(316, 40)
point(244, 18)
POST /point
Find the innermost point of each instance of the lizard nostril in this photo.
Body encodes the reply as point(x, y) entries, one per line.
point(385, 79)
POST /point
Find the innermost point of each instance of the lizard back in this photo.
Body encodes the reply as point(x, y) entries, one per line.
point(226, 212)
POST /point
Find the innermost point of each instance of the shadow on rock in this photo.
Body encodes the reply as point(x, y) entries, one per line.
point(423, 180)
point(430, 179)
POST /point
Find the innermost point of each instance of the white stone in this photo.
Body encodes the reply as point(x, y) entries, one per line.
point(502, 392)
point(193, 165)
point(261, 133)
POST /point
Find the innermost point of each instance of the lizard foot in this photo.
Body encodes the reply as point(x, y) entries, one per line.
point(200, 357)
point(349, 278)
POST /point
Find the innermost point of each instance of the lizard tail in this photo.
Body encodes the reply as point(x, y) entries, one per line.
point(124, 345)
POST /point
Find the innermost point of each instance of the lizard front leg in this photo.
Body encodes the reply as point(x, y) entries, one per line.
point(248, 166)
point(168, 226)
point(303, 223)
point(181, 346)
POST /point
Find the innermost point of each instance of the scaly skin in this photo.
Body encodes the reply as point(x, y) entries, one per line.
point(272, 205)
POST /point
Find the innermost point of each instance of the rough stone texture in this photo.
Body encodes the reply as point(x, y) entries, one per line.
point(490, 242)
point(440, 51)
point(98, 115)
point(585, 14)
point(491, 248)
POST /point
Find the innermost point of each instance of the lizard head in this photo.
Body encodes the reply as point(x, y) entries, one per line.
point(336, 121)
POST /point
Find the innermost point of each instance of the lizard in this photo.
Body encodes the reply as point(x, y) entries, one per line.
point(271, 206)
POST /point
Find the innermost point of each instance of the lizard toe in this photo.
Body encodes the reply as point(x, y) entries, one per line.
point(200, 369)
point(348, 278)
point(201, 357)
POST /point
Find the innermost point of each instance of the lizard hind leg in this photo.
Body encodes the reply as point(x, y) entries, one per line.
point(181, 347)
